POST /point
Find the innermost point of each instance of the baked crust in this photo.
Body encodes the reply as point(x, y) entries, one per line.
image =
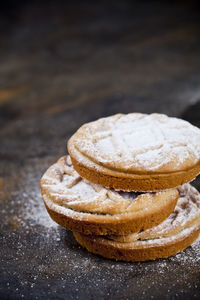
point(109, 249)
point(84, 207)
point(174, 234)
point(133, 182)
point(163, 153)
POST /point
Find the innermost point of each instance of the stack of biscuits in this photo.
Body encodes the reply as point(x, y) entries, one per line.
point(124, 188)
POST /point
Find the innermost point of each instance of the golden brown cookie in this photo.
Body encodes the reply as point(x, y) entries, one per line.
point(137, 152)
point(174, 234)
point(85, 207)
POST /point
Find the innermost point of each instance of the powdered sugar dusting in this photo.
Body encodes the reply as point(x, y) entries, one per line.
point(63, 186)
point(184, 219)
point(165, 240)
point(32, 212)
point(139, 142)
point(35, 213)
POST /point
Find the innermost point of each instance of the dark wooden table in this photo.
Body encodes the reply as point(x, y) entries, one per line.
point(62, 65)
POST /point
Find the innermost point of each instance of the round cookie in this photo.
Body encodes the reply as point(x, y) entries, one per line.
point(85, 207)
point(137, 152)
point(174, 234)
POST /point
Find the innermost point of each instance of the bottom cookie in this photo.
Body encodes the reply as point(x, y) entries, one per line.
point(173, 235)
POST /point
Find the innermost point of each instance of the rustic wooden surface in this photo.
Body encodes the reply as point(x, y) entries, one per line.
point(62, 65)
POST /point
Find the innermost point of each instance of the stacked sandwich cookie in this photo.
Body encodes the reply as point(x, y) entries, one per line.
point(124, 190)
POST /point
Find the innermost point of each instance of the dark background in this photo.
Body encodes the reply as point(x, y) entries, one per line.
point(63, 64)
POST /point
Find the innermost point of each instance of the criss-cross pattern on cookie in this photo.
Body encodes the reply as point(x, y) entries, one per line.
point(139, 142)
point(185, 215)
point(62, 184)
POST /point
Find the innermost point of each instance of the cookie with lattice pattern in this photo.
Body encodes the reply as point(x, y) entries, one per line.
point(80, 205)
point(137, 152)
point(174, 234)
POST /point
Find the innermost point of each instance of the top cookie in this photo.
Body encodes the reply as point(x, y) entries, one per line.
point(137, 151)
